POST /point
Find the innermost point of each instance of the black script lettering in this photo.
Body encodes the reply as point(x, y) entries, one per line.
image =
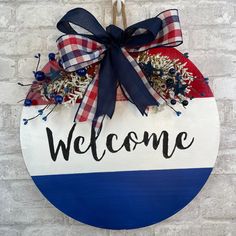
point(165, 142)
point(179, 141)
point(61, 144)
point(129, 138)
point(110, 141)
point(94, 145)
point(129, 143)
point(156, 141)
point(77, 145)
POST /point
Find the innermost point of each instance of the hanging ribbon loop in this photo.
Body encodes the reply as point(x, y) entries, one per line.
point(112, 47)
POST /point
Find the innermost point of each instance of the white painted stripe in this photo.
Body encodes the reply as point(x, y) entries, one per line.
point(199, 120)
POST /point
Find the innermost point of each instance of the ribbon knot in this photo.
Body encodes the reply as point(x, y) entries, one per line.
point(112, 47)
point(116, 36)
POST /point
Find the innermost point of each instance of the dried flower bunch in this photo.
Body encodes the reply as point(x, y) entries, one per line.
point(169, 78)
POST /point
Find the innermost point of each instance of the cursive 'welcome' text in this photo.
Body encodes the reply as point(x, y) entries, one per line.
point(129, 143)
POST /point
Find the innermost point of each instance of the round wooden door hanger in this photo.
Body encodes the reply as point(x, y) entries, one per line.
point(139, 170)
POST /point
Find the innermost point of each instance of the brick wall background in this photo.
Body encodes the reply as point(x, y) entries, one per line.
point(28, 26)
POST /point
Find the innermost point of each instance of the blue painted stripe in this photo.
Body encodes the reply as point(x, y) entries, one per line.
point(123, 200)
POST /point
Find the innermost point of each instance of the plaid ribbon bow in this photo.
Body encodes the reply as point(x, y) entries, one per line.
point(112, 47)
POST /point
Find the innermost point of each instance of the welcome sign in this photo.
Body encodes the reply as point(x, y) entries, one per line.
point(139, 170)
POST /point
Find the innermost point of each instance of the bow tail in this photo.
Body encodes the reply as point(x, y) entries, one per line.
point(88, 105)
point(141, 74)
point(107, 84)
point(100, 96)
point(135, 84)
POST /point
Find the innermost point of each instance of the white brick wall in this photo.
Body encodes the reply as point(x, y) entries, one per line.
point(28, 26)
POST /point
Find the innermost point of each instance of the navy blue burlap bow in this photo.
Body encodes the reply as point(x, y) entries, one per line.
point(111, 47)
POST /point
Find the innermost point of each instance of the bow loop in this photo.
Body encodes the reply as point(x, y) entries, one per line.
point(168, 35)
point(84, 51)
point(143, 32)
point(85, 20)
